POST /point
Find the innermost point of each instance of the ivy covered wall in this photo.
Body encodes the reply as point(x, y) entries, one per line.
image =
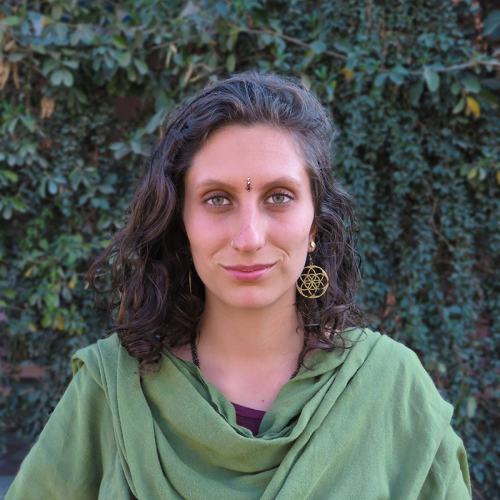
point(413, 88)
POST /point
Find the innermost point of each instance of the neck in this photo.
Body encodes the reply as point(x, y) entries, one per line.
point(243, 337)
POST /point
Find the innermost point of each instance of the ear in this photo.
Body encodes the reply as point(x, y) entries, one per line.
point(313, 231)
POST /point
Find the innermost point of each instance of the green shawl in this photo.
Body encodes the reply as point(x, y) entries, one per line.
point(367, 424)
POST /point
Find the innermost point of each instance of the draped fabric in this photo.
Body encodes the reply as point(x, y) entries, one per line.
point(368, 423)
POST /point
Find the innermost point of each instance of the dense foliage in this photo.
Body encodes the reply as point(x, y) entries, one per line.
point(412, 86)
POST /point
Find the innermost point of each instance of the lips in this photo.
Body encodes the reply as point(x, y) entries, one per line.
point(249, 269)
point(248, 273)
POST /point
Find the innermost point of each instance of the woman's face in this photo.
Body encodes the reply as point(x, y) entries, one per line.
point(249, 247)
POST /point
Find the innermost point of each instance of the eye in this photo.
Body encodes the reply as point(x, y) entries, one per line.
point(280, 198)
point(216, 201)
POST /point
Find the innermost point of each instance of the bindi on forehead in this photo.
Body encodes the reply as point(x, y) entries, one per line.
point(284, 180)
point(240, 158)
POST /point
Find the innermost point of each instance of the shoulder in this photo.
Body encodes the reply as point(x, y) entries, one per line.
point(103, 359)
point(390, 356)
point(397, 370)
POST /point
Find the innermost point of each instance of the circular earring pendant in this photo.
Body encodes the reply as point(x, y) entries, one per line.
point(313, 282)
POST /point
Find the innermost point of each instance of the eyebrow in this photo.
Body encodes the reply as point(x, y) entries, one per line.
point(285, 179)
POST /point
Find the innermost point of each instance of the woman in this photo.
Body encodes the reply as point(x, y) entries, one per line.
point(237, 368)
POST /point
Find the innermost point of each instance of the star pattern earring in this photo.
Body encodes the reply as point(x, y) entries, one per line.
point(249, 188)
point(313, 282)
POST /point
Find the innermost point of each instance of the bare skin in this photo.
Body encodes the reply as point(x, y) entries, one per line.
point(250, 333)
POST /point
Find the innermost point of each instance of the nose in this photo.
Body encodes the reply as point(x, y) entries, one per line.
point(250, 234)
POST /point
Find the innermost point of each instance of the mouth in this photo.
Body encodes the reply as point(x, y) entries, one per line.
point(248, 273)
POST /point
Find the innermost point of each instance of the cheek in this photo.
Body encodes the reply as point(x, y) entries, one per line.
point(295, 230)
point(205, 236)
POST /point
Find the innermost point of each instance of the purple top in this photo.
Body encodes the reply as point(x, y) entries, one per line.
point(249, 418)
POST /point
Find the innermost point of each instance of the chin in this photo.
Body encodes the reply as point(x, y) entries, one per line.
point(252, 298)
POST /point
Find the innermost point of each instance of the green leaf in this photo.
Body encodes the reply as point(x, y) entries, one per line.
point(432, 79)
point(49, 65)
point(380, 80)
point(18, 204)
point(455, 88)
point(472, 173)
point(471, 406)
point(57, 12)
point(138, 39)
point(116, 145)
point(396, 77)
point(75, 37)
point(125, 59)
point(212, 61)
point(44, 244)
point(400, 69)
point(415, 93)
point(88, 32)
point(488, 97)
point(62, 31)
point(52, 187)
point(7, 212)
point(491, 23)
point(17, 56)
point(12, 176)
point(11, 128)
point(318, 46)
point(136, 147)
point(459, 106)
point(38, 48)
point(80, 95)
point(68, 78)
point(141, 66)
point(57, 77)
point(106, 189)
point(11, 21)
point(121, 152)
point(305, 80)
point(28, 122)
point(131, 74)
point(108, 60)
point(351, 64)
point(231, 63)
point(471, 83)
point(343, 46)
point(155, 121)
point(71, 64)
point(119, 42)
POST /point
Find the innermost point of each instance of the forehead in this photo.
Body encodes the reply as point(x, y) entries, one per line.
point(260, 152)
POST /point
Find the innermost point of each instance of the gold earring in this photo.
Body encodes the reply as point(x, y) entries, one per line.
point(313, 282)
point(313, 245)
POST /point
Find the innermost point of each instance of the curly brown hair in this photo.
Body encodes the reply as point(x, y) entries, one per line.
point(148, 260)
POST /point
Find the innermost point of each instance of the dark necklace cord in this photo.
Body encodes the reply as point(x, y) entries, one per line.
point(300, 360)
